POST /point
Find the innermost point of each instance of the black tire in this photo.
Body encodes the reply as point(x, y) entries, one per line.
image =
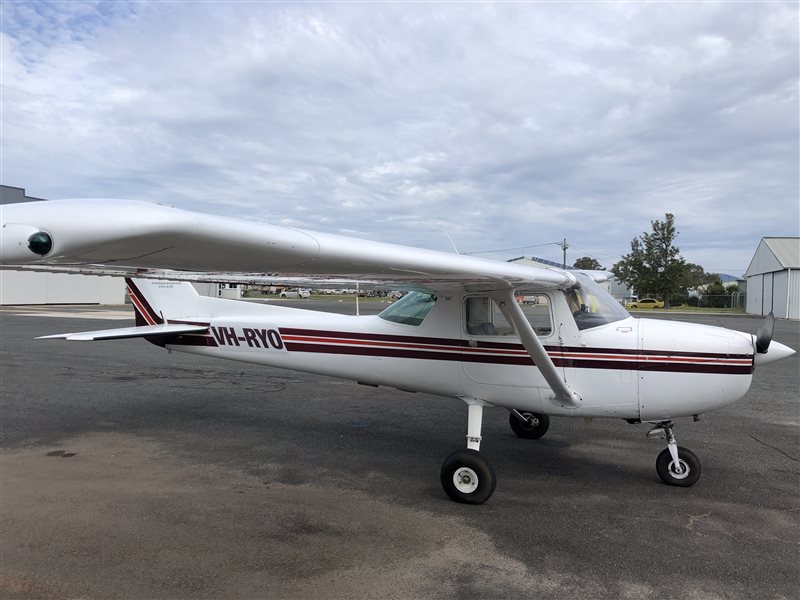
point(466, 477)
point(666, 468)
point(541, 423)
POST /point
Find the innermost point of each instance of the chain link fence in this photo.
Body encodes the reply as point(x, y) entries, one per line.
point(733, 301)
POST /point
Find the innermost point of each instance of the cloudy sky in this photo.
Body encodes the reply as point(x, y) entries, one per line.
point(512, 124)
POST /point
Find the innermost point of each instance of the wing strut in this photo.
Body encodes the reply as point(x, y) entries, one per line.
point(512, 311)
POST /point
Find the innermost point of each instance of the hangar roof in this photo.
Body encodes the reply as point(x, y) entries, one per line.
point(775, 254)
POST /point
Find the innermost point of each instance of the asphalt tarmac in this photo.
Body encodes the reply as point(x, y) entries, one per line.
point(129, 472)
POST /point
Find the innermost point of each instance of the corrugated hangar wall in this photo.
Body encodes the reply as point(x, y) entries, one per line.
point(773, 278)
point(777, 292)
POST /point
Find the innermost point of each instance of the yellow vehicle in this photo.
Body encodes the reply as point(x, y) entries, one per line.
point(645, 303)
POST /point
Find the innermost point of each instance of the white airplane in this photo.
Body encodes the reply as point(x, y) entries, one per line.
point(570, 350)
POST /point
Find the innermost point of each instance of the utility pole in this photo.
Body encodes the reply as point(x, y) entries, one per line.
point(564, 247)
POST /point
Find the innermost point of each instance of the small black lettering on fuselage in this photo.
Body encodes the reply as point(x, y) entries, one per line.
point(250, 337)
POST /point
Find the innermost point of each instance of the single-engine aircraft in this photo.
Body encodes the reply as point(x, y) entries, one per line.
point(568, 350)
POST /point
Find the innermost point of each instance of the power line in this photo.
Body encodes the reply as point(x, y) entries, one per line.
point(590, 251)
point(510, 249)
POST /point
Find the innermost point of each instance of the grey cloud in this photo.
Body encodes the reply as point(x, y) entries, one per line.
point(514, 124)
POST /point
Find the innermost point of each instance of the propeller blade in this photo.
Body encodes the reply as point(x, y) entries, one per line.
point(764, 335)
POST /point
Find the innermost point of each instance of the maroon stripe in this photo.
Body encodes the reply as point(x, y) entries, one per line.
point(378, 337)
point(624, 351)
point(140, 297)
point(404, 353)
point(364, 351)
point(507, 346)
point(653, 366)
point(501, 360)
point(139, 319)
point(696, 368)
point(500, 345)
point(517, 360)
point(648, 352)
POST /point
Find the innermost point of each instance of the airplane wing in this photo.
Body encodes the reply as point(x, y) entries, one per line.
point(128, 238)
point(98, 235)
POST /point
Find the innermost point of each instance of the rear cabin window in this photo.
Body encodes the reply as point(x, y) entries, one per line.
point(483, 316)
point(411, 309)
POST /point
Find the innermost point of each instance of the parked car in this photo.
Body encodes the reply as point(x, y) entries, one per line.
point(296, 293)
point(645, 303)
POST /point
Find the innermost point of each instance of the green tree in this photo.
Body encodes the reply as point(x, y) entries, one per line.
point(588, 263)
point(695, 276)
point(715, 295)
point(654, 265)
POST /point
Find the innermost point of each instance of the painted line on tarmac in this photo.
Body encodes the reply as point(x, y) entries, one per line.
point(107, 315)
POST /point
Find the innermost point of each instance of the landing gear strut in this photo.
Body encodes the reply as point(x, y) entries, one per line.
point(675, 465)
point(466, 477)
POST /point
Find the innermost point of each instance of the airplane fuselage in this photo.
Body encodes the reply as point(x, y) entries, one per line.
point(644, 369)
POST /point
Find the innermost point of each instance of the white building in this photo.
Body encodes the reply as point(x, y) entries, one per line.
point(773, 278)
point(20, 287)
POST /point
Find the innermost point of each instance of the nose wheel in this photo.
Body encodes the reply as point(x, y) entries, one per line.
point(675, 465)
point(684, 472)
point(528, 425)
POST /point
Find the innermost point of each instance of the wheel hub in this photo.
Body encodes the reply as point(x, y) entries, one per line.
point(465, 480)
point(679, 471)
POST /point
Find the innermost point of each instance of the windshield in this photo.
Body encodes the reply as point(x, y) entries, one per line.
point(411, 309)
point(591, 305)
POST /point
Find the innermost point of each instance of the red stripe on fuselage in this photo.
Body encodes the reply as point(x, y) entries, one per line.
point(423, 348)
point(329, 342)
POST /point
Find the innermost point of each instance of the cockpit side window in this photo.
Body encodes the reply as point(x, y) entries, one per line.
point(484, 318)
point(591, 305)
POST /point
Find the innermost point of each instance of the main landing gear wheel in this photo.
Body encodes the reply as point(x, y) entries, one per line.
point(467, 477)
point(683, 474)
point(532, 428)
